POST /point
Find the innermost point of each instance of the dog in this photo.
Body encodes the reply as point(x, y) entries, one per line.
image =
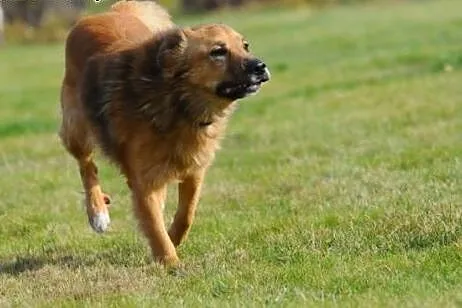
point(155, 98)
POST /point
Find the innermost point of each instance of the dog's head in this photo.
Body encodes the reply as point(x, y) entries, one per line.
point(214, 59)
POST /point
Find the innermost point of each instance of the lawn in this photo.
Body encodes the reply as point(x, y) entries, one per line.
point(340, 184)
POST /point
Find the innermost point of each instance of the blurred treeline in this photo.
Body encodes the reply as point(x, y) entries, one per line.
point(26, 21)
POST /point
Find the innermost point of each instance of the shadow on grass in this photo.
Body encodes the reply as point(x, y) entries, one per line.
point(21, 265)
point(33, 263)
point(136, 257)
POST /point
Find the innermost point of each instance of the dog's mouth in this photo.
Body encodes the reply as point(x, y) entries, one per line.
point(239, 90)
point(236, 90)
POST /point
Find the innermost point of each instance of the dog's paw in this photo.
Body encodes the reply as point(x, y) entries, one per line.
point(100, 222)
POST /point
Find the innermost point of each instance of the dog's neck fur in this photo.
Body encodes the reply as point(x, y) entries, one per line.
point(179, 108)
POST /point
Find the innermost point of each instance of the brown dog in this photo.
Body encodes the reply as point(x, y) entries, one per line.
point(155, 98)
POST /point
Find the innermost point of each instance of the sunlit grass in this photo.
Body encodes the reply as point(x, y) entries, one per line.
point(340, 184)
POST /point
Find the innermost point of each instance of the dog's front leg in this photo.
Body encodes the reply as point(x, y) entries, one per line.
point(188, 197)
point(148, 208)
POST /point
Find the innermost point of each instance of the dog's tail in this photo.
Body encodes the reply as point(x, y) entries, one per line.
point(155, 17)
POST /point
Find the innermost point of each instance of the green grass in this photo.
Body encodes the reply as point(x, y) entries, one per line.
point(340, 184)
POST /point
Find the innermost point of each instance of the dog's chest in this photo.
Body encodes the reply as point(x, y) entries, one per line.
point(178, 154)
point(193, 152)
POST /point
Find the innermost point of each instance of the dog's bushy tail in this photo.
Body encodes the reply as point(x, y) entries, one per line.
point(150, 13)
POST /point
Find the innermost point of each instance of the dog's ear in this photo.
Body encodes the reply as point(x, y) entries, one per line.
point(172, 47)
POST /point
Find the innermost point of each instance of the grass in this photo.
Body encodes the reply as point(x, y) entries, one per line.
point(340, 184)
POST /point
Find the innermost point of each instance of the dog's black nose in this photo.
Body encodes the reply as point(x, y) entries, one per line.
point(256, 66)
point(260, 68)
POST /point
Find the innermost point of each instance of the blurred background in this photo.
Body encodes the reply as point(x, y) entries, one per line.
point(26, 21)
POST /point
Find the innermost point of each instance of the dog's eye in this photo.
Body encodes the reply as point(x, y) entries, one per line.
point(246, 46)
point(219, 52)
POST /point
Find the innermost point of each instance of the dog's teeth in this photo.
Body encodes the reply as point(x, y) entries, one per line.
point(254, 79)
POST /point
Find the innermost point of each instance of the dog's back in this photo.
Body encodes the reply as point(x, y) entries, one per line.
point(149, 13)
point(127, 24)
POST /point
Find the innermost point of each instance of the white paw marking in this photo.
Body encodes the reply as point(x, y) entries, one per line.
point(100, 222)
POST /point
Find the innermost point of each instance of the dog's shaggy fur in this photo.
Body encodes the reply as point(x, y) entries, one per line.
point(155, 98)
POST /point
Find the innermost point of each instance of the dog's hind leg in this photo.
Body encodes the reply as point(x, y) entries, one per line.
point(76, 137)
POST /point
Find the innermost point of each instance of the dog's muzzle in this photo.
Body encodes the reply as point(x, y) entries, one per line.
point(256, 73)
point(257, 70)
